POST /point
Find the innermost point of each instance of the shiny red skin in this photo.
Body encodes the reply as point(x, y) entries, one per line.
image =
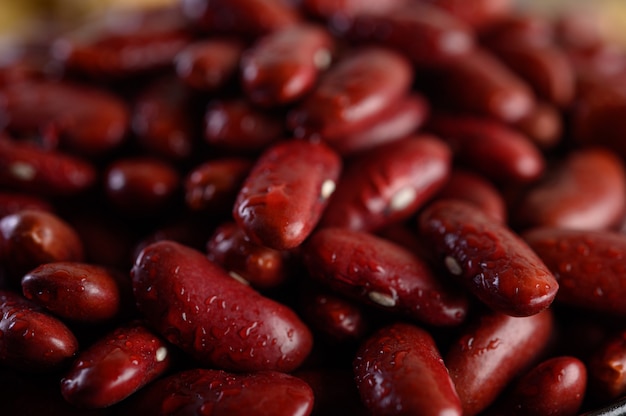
point(27, 168)
point(141, 185)
point(488, 258)
point(493, 149)
point(14, 202)
point(388, 183)
point(429, 36)
point(31, 339)
point(219, 393)
point(491, 352)
point(477, 13)
point(587, 264)
point(30, 238)
point(214, 185)
point(587, 190)
point(208, 65)
point(381, 273)
point(544, 126)
point(283, 197)
point(399, 371)
point(357, 88)
point(555, 387)
point(89, 120)
point(284, 66)
point(238, 126)
point(214, 318)
point(115, 366)
point(260, 266)
point(75, 291)
point(607, 368)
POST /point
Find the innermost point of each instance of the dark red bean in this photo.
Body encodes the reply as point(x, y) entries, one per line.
point(74, 291)
point(14, 202)
point(388, 183)
point(286, 192)
point(215, 319)
point(488, 258)
point(478, 13)
point(529, 29)
point(115, 366)
point(32, 340)
point(335, 392)
point(544, 126)
point(357, 88)
point(338, 10)
point(607, 368)
point(384, 274)
point(399, 371)
point(218, 393)
point(284, 66)
point(491, 352)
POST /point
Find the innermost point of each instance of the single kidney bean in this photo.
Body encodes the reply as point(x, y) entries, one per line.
point(284, 66)
point(30, 238)
point(543, 126)
point(214, 318)
point(388, 183)
point(442, 37)
point(14, 202)
point(478, 13)
point(587, 190)
point(587, 264)
point(529, 29)
point(490, 147)
point(286, 192)
point(399, 371)
point(358, 87)
point(208, 65)
point(74, 291)
point(31, 339)
point(607, 368)
point(141, 185)
point(493, 262)
point(238, 126)
point(259, 266)
point(115, 366)
point(491, 352)
point(89, 120)
point(213, 185)
point(27, 168)
point(219, 393)
point(382, 273)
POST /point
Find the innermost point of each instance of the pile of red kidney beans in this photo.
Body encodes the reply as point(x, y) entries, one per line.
point(270, 207)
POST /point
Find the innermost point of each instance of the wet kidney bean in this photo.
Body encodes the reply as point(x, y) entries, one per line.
point(509, 277)
point(115, 366)
point(214, 318)
point(283, 197)
point(382, 273)
point(493, 350)
point(32, 340)
point(607, 374)
point(75, 291)
point(399, 371)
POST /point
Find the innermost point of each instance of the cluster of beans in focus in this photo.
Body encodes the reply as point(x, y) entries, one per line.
point(330, 207)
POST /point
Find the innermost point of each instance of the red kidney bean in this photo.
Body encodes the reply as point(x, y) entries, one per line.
point(523, 28)
point(89, 120)
point(478, 13)
point(27, 168)
point(337, 10)
point(284, 66)
point(399, 371)
point(259, 266)
point(215, 319)
point(283, 197)
point(388, 183)
point(115, 366)
point(219, 393)
point(384, 274)
point(543, 126)
point(141, 185)
point(579, 28)
point(31, 339)
point(442, 37)
point(214, 185)
point(587, 190)
point(30, 238)
point(208, 65)
point(489, 147)
point(509, 277)
point(238, 126)
point(358, 87)
point(14, 202)
point(587, 264)
point(607, 368)
point(74, 291)
point(491, 352)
